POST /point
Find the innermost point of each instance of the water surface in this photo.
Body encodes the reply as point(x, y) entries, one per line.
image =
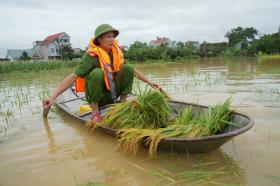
point(60, 151)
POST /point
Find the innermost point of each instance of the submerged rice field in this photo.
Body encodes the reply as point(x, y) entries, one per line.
point(60, 151)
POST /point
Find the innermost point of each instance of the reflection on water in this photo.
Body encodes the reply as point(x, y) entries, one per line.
point(59, 150)
point(52, 145)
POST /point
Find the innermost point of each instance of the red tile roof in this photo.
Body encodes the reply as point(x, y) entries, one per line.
point(160, 41)
point(51, 38)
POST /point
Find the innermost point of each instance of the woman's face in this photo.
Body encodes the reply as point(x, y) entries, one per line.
point(107, 40)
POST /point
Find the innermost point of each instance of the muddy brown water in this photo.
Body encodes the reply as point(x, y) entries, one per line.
point(60, 151)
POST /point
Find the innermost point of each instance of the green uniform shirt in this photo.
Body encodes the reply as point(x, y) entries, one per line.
point(96, 91)
point(89, 63)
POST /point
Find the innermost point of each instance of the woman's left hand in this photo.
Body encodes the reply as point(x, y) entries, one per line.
point(155, 86)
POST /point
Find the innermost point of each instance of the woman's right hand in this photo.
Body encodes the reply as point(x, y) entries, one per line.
point(65, 84)
point(48, 102)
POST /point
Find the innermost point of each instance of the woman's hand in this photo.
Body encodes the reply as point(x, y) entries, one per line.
point(155, 86)
point(48, 102)
point(140, 76)
point(66, 83)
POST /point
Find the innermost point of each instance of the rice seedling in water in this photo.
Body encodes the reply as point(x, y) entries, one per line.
point(35, 66)
point(94, 184)
point(187, 177)
point(274, 178)
point(231, 167)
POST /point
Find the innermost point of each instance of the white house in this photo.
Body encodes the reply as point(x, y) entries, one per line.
point(43, 50)
point(162, 41)
point(50, 46)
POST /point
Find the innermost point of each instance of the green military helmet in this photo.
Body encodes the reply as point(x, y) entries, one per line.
point(101, 29)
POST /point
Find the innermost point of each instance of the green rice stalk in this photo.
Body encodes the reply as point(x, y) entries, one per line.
point(145, 120)
point(149, 110)
point(188, 177)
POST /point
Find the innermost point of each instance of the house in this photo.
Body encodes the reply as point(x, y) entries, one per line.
point(212, 49)
point(43, 50)
point(3, 59)
point(77, 50)
point(243, 45)
point(162, 41)
point(78, 53)
point(15, 54)
point(50, 46)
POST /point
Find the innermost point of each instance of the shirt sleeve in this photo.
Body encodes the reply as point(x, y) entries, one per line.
point(87, 64)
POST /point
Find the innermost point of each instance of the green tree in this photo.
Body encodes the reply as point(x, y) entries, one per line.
point(137, 51)
point(141, 51)
point(24, 56)
point(269, 43)
point(231, 52)
point(79, 54)
point(66, 52)
point(240, 34)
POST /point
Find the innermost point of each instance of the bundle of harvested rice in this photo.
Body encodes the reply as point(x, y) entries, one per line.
point(185, 125)
point(149, 110)
point(146, 120)
point(218, 117)
point(130, 139)
point(185, 117)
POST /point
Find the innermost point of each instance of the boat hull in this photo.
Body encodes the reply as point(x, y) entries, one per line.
point(69, 102)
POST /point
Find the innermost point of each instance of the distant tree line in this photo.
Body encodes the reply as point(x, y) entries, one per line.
point(241, 42)
point(268, 44)
point(244, 41)
point(139, 51)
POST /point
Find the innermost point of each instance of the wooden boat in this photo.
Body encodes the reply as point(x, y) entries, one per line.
point(70, 102)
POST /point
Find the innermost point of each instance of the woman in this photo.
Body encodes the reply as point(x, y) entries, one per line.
point(107, 77)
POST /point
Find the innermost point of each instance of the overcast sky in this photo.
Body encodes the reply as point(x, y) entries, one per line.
point(24, 21)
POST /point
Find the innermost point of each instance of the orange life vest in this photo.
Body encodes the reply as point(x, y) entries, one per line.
point(105, 64)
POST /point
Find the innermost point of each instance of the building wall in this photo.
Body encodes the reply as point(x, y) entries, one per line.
point(64, 40)
point(54, 49)
point(44, 51)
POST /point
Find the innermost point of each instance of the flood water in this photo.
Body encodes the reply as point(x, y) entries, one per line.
point(59, 151)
